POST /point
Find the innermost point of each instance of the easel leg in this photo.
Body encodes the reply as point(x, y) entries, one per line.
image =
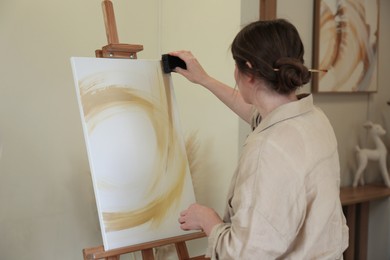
point(362, 231)
point(181, 250)
point(147, 254)
point(350, 214)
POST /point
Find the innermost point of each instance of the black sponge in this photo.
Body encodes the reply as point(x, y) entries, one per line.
point(170, 62)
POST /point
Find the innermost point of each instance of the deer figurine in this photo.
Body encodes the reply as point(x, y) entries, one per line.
point(379, 154)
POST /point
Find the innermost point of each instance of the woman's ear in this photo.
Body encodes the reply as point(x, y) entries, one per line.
point(251, 77)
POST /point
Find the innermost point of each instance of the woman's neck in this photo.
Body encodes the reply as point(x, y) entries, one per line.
point(266, 100)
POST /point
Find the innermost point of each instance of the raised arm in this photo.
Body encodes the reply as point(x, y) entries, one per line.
point(229, 96)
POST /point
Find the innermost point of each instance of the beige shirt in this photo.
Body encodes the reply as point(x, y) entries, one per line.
point(284, 202)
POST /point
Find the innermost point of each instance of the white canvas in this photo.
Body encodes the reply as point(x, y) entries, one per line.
point(135, 148)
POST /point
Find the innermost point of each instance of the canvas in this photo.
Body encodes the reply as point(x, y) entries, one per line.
point(135, 148)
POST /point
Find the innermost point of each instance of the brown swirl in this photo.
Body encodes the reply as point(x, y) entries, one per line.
point(171, 165)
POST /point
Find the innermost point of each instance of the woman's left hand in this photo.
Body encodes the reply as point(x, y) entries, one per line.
point(199, 217)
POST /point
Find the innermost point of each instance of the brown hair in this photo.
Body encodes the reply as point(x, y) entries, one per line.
point(275, 52)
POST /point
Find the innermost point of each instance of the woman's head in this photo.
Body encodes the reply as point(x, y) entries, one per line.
point(271, 51)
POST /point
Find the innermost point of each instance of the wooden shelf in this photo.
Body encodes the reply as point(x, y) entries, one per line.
point(350, 195)
point(356, 203)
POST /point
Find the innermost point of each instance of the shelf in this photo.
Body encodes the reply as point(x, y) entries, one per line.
point(350, 195)
point(355, 203)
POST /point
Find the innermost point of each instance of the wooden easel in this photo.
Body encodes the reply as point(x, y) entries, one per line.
point(114, 49)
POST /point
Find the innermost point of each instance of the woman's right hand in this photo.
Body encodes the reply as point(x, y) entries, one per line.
point(194, 72)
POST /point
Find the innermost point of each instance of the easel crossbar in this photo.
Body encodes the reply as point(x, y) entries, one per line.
point(179, 241)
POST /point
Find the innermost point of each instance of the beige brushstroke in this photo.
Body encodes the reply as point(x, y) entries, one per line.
point(171, 165)
point(192, 149)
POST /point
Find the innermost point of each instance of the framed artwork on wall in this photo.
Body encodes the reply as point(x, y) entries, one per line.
point(346, 45)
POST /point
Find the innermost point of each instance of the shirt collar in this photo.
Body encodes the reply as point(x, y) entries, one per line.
point(292, 109)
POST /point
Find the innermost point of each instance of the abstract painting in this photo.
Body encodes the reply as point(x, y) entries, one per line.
point(135, 148)
point(346, 45)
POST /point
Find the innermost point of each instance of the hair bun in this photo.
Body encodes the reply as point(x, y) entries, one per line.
point(291, 74)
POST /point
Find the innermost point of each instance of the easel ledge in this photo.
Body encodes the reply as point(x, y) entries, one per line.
point(146, 249)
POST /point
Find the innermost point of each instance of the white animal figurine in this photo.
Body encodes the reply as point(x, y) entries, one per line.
point(379, 154)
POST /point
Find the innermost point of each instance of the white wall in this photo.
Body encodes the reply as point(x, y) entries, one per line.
point(47, 206)
point(206, 28)
point(378, 111)
point(45, 193)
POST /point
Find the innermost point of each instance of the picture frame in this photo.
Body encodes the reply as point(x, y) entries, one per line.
point(345, 46)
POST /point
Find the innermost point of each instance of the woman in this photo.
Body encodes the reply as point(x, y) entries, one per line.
point(283, 202)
